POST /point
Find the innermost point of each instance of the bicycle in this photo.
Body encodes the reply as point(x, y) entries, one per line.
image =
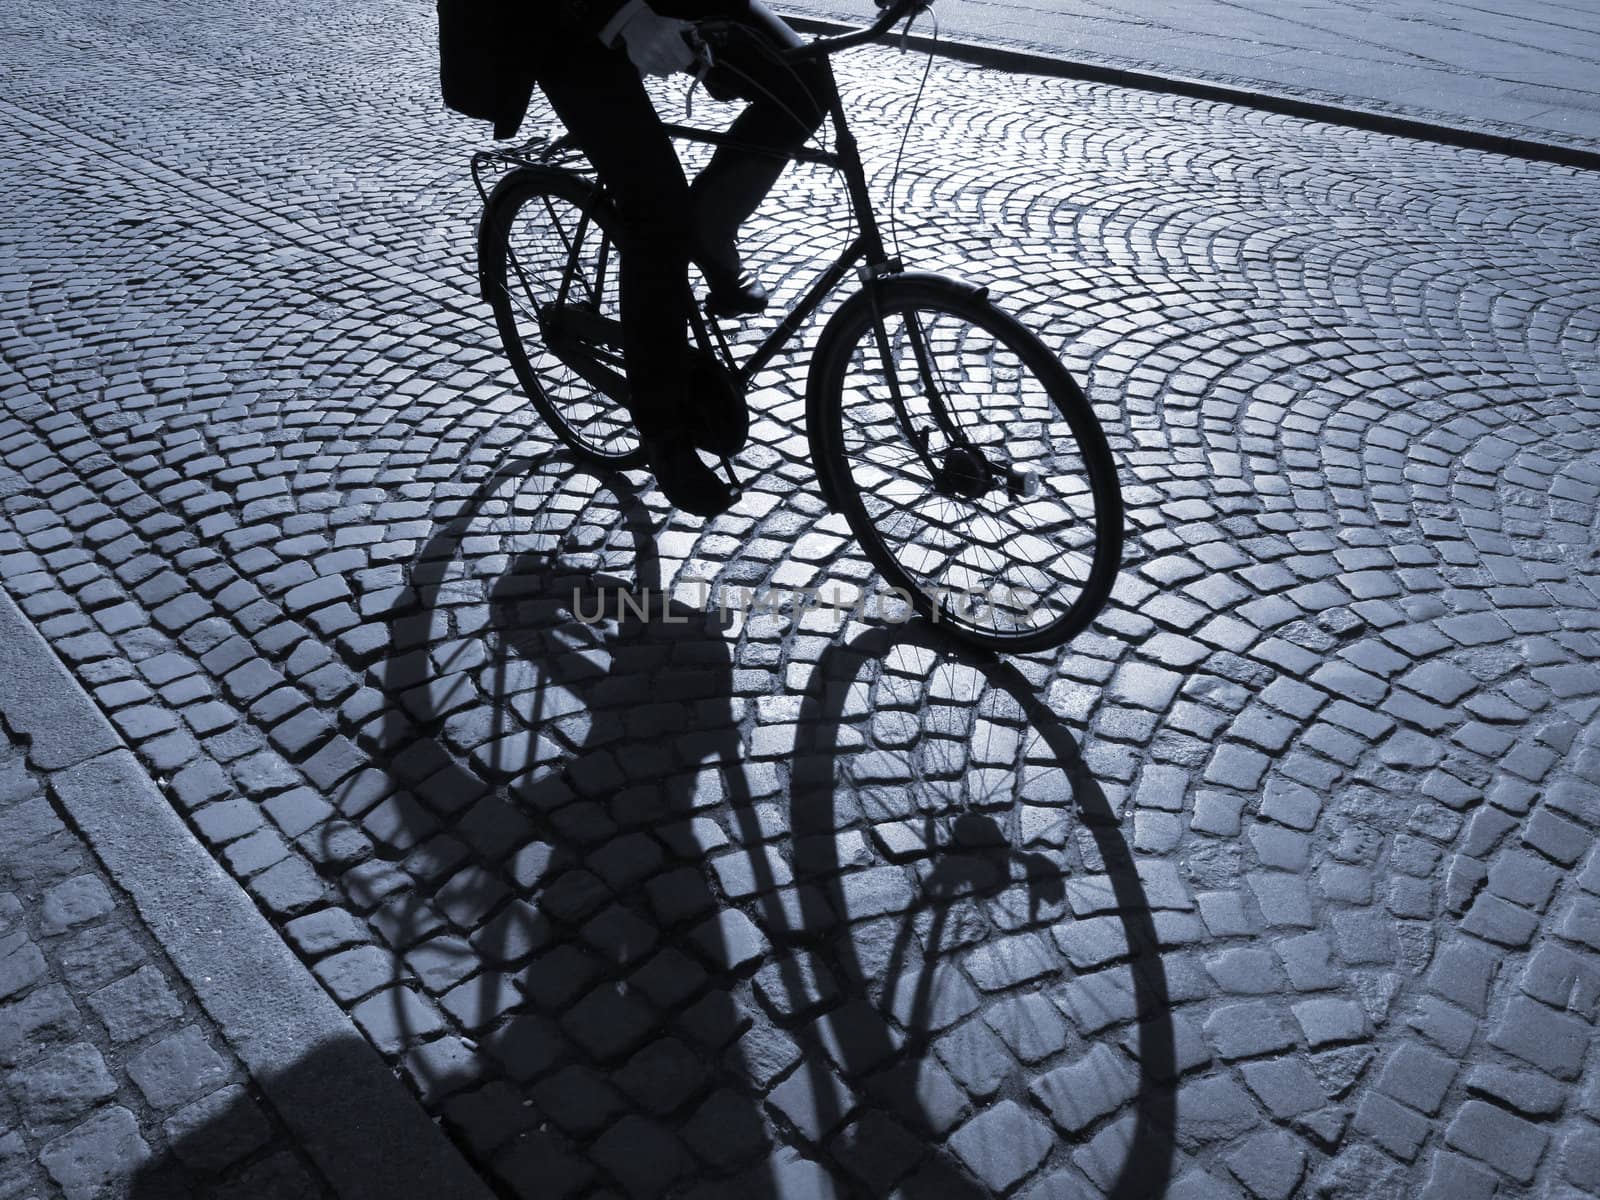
point(927, 406)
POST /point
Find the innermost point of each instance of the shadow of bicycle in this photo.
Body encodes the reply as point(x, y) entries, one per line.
point(690, 935)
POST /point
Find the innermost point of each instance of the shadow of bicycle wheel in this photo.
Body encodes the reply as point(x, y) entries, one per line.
point(558, 907)
point(962, 945)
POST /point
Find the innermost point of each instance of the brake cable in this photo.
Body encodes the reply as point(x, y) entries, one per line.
point(916, 104)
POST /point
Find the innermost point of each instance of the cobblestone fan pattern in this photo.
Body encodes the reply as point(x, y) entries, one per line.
point(112, 1079)
point(1280, 881)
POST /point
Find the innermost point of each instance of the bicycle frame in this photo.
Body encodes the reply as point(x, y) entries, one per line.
point(866, 251)
point(865, 248)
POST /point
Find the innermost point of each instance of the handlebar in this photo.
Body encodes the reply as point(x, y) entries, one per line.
point(825, 46)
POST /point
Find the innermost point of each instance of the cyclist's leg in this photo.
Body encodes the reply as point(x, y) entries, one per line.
point(786, 106)
point(787, 101)
point(600, 98)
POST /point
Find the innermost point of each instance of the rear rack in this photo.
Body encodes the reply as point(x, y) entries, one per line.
point(540, 150)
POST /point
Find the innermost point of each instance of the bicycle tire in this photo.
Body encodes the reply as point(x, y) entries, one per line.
point(540, 227)
point(1015, 402)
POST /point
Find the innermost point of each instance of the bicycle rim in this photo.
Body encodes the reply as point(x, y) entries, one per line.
point(551, 276)
point(987, 492)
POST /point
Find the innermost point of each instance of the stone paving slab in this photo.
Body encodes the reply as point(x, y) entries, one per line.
point(1279, 881)
point(1523, 71)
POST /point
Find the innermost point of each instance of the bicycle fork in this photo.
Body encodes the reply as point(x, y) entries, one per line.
point(963, 469)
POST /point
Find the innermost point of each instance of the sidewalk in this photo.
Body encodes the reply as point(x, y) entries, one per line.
point(1525, 70)
point(110, 1071)
point(157, 1039)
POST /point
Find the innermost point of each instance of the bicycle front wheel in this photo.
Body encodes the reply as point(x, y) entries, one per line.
point(550, 269)
point(967, 462)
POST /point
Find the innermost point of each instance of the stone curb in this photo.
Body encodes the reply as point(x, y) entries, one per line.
point(365, 1132)
point(1005, 58)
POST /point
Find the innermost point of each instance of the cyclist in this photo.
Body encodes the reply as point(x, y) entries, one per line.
point(588, 57)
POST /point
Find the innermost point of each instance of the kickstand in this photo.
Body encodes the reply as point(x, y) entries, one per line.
point(733, 480)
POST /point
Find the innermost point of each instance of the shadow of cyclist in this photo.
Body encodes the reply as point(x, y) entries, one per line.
point(552, 871)
point(565, 746)
point(557, 727)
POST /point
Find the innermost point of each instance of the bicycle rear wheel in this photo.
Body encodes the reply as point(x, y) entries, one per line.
point(550, 270)
point(967, 462)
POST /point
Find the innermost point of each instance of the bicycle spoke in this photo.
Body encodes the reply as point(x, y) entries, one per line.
point(938, 473)
point(556, 301)
point(529, 310)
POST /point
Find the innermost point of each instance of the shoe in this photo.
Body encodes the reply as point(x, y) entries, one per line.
point(683, 478)
point(735, 290)
point(734, 294)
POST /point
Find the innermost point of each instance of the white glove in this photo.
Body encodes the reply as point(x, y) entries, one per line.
point(655, 44)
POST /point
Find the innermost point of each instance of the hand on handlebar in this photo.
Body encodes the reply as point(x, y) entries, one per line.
point(657, 45)
point(891, 12)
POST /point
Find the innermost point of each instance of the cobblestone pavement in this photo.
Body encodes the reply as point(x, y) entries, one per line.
point(1280, 881)
point(1519, 68)
point(112, 1079)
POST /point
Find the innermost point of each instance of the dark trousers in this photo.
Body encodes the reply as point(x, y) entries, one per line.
point(601, 100)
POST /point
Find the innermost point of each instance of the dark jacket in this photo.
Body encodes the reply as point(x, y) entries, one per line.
point(492, 52)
